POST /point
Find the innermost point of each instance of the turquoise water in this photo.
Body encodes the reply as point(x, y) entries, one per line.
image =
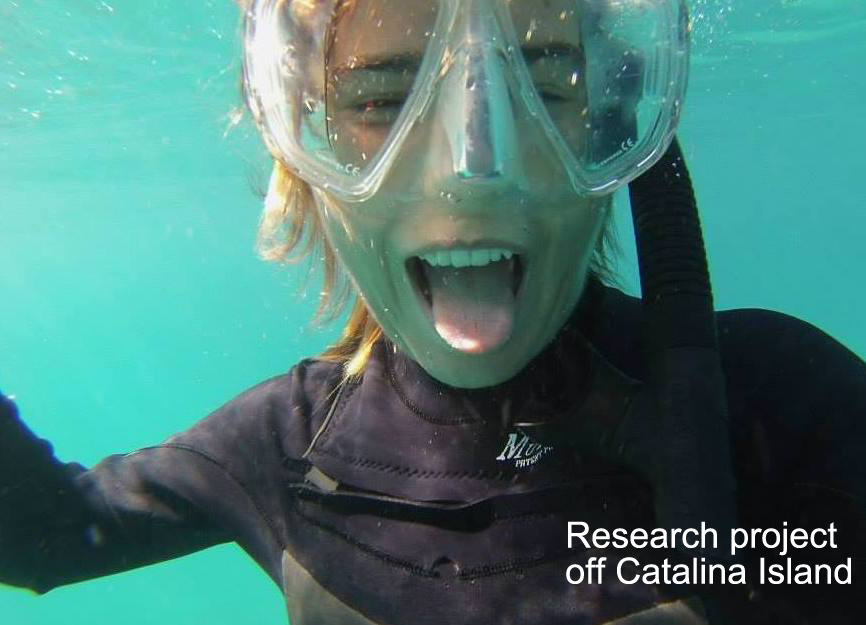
point(132, 304)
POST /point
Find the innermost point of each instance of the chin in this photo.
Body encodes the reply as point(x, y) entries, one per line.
point(474, 375)
point(473, 370)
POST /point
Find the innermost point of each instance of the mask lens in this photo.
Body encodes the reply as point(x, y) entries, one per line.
point(337, 85)
point(610, 77)
point(328, 80)
point(372, 54)
point(551, 41)
point(372, 59)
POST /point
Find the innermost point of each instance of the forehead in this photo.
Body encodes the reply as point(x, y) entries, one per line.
point(381, 28)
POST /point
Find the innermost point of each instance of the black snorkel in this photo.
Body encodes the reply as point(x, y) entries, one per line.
point(695, 481)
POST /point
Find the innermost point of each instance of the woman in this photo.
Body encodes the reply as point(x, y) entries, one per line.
point(457, 159)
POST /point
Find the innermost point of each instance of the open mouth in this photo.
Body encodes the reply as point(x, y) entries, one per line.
point(469, 294)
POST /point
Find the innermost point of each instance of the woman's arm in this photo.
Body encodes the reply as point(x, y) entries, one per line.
point(60, 523)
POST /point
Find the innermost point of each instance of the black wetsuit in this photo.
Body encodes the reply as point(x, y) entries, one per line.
point(443, 512)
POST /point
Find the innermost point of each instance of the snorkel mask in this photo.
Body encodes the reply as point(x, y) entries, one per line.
point(602, 80)
point(462, 153)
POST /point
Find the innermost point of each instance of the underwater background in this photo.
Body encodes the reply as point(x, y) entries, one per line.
point(132, 303)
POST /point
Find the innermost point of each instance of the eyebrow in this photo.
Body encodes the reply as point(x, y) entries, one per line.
point(391, 63)
point(411, 61)
point(534, 53)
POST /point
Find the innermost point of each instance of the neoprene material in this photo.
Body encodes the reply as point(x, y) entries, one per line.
point(796, 401)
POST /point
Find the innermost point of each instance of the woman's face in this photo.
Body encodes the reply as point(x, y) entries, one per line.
point(475, 249)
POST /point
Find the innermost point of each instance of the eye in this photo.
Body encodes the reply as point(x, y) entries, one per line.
point(380, 110)
point(552, 93)
point(558, 74)
point(381, 104)
point(548, 96)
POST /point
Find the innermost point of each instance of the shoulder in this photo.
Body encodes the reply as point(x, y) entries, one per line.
point(774, 359)
point(758, 347)
point(797, 404)
point(784, 376)
point(797, 407)
point(772, 334)
point(276, 417)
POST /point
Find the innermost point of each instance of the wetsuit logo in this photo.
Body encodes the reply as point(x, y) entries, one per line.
point(522, 450)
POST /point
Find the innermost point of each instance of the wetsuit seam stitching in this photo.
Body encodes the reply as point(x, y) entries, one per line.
point(377, 465)
point(368, 549)
point(515, 564)
point(487, 570)
point(258, 508)
point(415, 408)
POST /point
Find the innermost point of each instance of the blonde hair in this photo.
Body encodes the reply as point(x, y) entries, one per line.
point(290, 231)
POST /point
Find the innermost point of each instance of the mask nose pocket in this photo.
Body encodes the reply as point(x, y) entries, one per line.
point(479, 120)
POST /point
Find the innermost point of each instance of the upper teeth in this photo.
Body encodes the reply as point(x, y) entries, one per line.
point(466, 257)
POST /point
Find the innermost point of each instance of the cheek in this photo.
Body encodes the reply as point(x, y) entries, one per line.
point(577, 231)
point(346, 228)
point(360, 244)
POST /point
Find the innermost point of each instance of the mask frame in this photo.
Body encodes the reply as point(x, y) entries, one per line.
point(279, 87)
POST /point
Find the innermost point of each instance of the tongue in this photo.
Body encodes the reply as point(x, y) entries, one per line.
point(473, 307)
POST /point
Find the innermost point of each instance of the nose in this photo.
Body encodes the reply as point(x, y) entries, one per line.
point(477, 117)
point(468, 137)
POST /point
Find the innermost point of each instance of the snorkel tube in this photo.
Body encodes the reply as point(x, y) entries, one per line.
point(694, 480)
point(688, 460)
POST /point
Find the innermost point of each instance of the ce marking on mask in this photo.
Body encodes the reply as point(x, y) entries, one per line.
point(624, 147)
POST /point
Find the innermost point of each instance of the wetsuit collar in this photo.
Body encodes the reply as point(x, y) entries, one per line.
point(400, 432)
